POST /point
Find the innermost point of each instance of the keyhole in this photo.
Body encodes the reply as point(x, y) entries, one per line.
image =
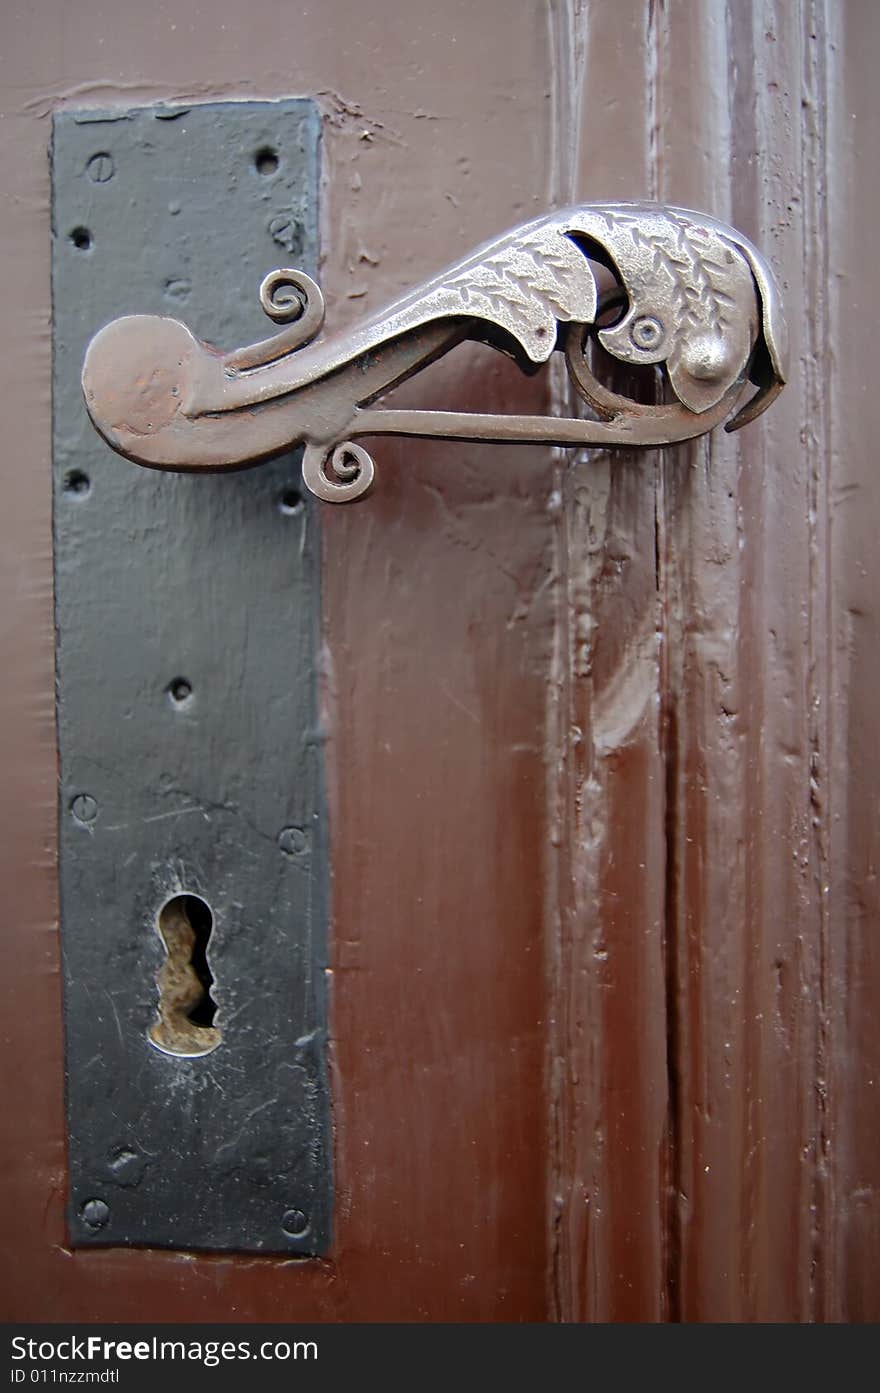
point(186, 1011)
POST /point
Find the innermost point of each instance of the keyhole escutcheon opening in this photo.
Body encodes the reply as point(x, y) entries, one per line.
point(185, 1024)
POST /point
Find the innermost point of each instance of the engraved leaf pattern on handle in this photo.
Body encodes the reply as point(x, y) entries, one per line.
point(526, 287)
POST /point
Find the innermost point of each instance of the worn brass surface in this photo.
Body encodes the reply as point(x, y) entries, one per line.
point(692, 296)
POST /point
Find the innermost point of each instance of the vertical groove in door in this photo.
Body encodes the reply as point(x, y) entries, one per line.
point(607, 1052)
point(845, 360)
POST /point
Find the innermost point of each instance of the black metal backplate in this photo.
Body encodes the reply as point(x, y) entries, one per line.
point(191, 759)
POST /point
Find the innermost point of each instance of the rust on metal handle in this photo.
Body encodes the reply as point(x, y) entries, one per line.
point(691, 296)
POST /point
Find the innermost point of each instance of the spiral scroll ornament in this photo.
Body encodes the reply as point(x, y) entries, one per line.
point(339, 473)
point(288, 297)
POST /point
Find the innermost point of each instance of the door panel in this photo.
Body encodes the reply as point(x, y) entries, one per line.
point(601, 742)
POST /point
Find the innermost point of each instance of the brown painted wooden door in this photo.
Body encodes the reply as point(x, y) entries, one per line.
point(603, 737)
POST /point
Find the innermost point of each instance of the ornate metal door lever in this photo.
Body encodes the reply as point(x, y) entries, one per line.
point(650, 285)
